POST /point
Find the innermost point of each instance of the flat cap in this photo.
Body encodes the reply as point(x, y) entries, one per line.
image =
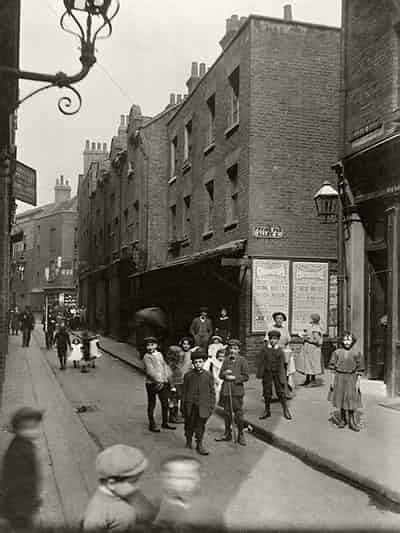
point(26, 413)
point(148, 340)
point(198, 354)
point(234, 342)
point(120, 461)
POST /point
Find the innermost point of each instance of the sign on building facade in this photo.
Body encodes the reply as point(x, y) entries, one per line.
point(310, 294)
point(24, 184)
point(270, 291)
point(268, 231)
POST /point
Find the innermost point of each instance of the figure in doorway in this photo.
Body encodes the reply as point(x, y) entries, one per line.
point(201, 329)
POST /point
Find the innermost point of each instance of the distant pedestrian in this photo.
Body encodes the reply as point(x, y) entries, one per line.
point(94, 350)
point(181, 507)
point(215, 369)
point(308, 362)
point(198, 401)
point(118, 504)
point(22, 470)
point(271, 370)
point(86, 339)
point(76, 352)
point(347, 366)
point(201, 329)
point(15, 321)
point(223, 325)
point(157, 384)
point(234, 373)
point(27, 325)
point(175, 359)
point(49, 326)
point(63, 342)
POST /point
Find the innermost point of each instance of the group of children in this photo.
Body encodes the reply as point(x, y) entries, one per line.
point(83, 350)
point(118, 504)
point(189, 383)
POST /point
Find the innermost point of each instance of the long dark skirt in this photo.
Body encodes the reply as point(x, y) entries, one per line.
point(345, 394)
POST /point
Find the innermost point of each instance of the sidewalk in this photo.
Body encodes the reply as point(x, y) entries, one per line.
point(67, 451)
point(369, 459)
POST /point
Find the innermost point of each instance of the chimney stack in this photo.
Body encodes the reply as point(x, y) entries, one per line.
point(62, 191)
point(172, 99)
point(178, 98)
point(194, 77)
point(93, 152)
point(232, 27)
point(287, 12)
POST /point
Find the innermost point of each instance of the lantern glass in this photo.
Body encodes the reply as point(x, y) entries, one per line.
point(326, 202)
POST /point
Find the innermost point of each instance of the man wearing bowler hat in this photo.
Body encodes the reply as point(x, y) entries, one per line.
point(201, 329)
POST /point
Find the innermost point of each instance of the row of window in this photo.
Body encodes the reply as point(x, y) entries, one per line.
point(233, 118)
point(231, 208)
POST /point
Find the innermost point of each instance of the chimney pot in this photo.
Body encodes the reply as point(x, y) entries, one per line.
point(172, 99)
point(87, 145)
point(235, 22)
point(122, 120)
point(99, 147)
point(242, 20)
point(61, 179)
point(179, 99)
point(104, 147)
point(195, 69)
point(93, 146)
point(287, 12)
point(202, 69)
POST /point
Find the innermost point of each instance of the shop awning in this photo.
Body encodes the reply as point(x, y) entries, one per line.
point(225, 250)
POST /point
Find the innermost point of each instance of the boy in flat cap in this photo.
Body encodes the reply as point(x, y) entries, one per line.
point(118, 504)
point(271, 369)
point(234, 373)
point(158, 375)
point(198, 401)
point(21, 470)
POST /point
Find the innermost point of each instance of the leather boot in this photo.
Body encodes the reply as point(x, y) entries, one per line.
point(189, 443)
point(153, 428)
point(227, 436)
point(200, 448)
point(241, 440)
point(342, 422)
point(352, 423)
point(267, 412)
point(307, 381)
point(286, 413)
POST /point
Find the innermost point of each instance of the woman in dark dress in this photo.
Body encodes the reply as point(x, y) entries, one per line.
point(224, 325)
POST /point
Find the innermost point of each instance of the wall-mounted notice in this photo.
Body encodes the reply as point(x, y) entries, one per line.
point(310, 294)
point(270, 291)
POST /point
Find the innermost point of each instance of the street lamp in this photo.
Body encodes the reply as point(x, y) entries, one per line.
point(88, 20)
point(326, 202)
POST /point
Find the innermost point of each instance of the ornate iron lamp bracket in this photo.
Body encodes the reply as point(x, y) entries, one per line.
point(87, 34)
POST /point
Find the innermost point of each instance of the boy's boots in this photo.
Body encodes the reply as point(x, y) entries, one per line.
point(189, 442)
point(352, 422)
point(286, 413)
point(267, 412)
point(200, 447)
point(343, 419)
point(227, 436)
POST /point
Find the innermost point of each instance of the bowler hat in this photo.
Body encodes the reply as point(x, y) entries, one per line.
point(277, 313)
point(120, 461)
point(234, 342)
point(24, 414)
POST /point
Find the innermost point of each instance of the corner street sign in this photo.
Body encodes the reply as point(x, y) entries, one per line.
point(24, 184)
point(268, 231)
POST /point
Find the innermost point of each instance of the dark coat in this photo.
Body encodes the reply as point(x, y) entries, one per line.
point(196, 326)
point(27, 320)
point(62, 340)
point(21, 479)
point(223, 327)
point(264, 362)
point(203, 383)
point(240, 369)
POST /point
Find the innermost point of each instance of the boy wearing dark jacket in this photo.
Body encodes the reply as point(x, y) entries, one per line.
point(271, 369)
point(63, 342)
point(234, 373)
point(198, 401)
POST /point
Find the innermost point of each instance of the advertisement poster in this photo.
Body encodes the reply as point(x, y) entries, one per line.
point(310, 294)
point(270, 291)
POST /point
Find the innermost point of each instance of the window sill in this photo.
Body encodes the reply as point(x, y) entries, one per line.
point(187, 165)
point(208, 234)
point(232, 129)
point(172, 180)
point(231, 225)
point(209, 148)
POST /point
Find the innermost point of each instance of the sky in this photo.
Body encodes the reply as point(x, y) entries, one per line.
point(147, 57)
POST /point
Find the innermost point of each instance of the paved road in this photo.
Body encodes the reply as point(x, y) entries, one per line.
point(256, 486)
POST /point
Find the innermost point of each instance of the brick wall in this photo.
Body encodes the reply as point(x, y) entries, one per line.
point(371, 67)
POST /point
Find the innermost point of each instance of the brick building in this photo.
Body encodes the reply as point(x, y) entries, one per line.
point(44, 264)
point(369, 170)
point(218, 188)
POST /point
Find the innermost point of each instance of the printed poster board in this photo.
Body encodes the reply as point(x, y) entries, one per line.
point(310, 294)
point(270, 292)
point(24, 184)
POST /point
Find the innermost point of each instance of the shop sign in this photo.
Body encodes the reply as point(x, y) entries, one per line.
point(268, 231)
point(270, 291)
point(24, 184)
point(310, 294)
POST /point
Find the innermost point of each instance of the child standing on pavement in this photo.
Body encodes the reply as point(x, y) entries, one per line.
point(63, 343)
point(158, 375)
point(21, 470)
point(198, 401)
point(118, 504)
point(271, 369)
point(175, 359)
point(215, 369)
point(187, 346)
point(347, 365)
point(234, 373)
